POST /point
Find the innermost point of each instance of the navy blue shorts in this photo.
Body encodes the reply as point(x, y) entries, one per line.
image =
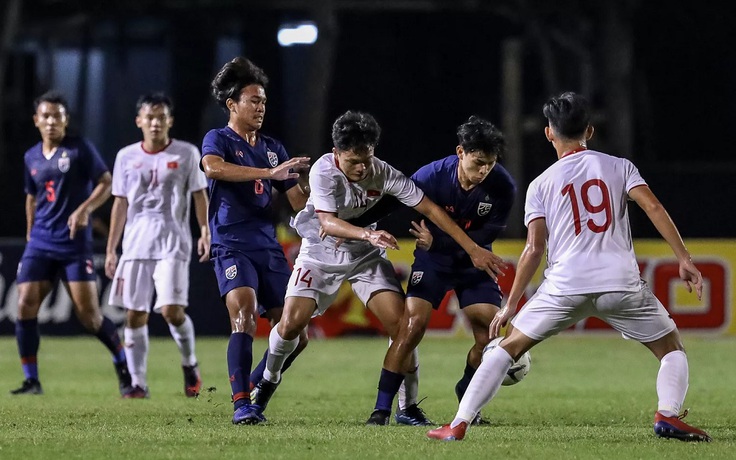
point(266, 271)
point(38, 265)
point(470, 284)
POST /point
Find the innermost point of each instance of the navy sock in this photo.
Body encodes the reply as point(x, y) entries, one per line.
point(463, 383)
point(29, 339)
point(239, 361)
point(257, 374)
point(388, 386)
point(108, 335)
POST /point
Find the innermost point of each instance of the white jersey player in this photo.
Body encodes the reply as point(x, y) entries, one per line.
point(579, 206)
point(153, 184)
point(344, 184)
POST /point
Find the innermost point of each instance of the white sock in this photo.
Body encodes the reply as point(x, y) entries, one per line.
point(136, 352)
point(484, 385)
point(672, 383)
point(278, 350)
point(409, 389)
point(184, 337)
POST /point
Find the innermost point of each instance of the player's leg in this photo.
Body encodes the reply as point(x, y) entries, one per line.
point(274, 316)
point(136, 352)
point(171, 278)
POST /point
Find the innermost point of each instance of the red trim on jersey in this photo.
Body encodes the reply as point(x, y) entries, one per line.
point(329, 212)
point(579, 149)
point(637, 186)
point(536, 218)
point(157, 151)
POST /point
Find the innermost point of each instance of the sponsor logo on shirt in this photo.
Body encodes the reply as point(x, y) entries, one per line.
point(416, 277)
point(231, 272)
point(484, 208)
point(272, 158)
point(172, 165)
point(64, 162)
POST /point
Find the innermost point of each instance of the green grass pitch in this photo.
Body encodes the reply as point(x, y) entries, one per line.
point(585, 397)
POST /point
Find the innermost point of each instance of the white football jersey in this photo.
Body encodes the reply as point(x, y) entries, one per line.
point(158, 187)
point(331, 191)
point(583, 198)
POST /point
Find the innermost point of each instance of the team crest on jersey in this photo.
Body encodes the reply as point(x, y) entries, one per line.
point(416, 277)
point(64, 162)
point(484, 208)
point(231, 272)
point(273, 158)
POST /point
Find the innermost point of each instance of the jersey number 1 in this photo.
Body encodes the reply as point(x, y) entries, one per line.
point(603, 206)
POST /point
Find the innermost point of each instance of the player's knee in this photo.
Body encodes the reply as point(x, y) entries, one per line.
point(173, 314)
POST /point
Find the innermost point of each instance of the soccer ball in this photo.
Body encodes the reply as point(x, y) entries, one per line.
point(518, 370)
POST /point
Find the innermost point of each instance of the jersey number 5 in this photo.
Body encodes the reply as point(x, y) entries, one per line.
point(50, 192)
point(603, 206)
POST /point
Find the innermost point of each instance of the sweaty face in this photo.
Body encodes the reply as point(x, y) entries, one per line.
point(155, 121)
point(250, 108)
point(51, 121)
point(355, 163)
point(476, 165)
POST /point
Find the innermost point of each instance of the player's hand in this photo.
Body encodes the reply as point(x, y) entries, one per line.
point(203, 248)
point(483, 259)
point(422, 234)
point(111, 264)
point(381, 239)
point(289, 169)
point(78, 220)
point(502, 317)
point(692, 277)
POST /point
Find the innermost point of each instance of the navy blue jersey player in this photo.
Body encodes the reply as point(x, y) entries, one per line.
point(477, 193)
point(65, 180)
point(243, 167)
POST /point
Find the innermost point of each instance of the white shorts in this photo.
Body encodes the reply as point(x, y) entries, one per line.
point(319, 271)
point(136, 281)
point(636, 315)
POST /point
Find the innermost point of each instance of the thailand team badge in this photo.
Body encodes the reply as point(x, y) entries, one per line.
point(484, 208)
point(64, 162)
point(416, 277)
point(273, 158)
point(231, 272)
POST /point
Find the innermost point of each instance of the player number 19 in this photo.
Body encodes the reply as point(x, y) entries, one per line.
point(603, 206)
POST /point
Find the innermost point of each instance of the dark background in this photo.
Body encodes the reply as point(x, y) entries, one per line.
point(661, 78)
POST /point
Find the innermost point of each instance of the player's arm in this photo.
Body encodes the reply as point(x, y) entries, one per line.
point(481, 257)
point(338, 228)
point(118, 217)
point(30, 213)
point(297, 196)
point(80, 217)
point(215, 167)
point(659, 216)
point(529, 262)
point(385, 206)
point(201, 202)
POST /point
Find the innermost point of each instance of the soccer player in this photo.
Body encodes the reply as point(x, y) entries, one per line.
point(243, 166)
point(578, 205)
point(65, 181)
point(477, 193)
point(153, 184)
point(344, 184)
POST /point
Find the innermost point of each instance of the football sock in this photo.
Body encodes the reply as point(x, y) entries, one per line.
point(279, 350)
point(257, 374)
point(672, 383)
point(183, 335)
point(108, 335)
point(462, 384)
point(484, 385)
point(409, 389)
point(388, 386)
point(29, 339)
point(239, 361)
point(136, 351)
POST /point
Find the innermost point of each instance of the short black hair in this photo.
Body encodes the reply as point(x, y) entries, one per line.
point(156, 98)
point(568, 114)
point(477, 135)
point(233, 77)
point(355, 130)
point(52, 97)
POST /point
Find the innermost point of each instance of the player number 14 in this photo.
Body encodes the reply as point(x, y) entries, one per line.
point(604, 206)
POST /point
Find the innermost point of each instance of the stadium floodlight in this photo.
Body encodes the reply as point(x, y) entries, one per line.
point(303, 33)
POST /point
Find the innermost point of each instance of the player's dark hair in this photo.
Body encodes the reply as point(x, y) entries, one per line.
point(355, 129)
point(157, 98)
point(477, 135)
point(233, 77)
point(568, 114)
point(52, 97)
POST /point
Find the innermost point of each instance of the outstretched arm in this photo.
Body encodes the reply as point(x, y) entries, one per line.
point(215, 167)
point(385, 206)
point(338, 228)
